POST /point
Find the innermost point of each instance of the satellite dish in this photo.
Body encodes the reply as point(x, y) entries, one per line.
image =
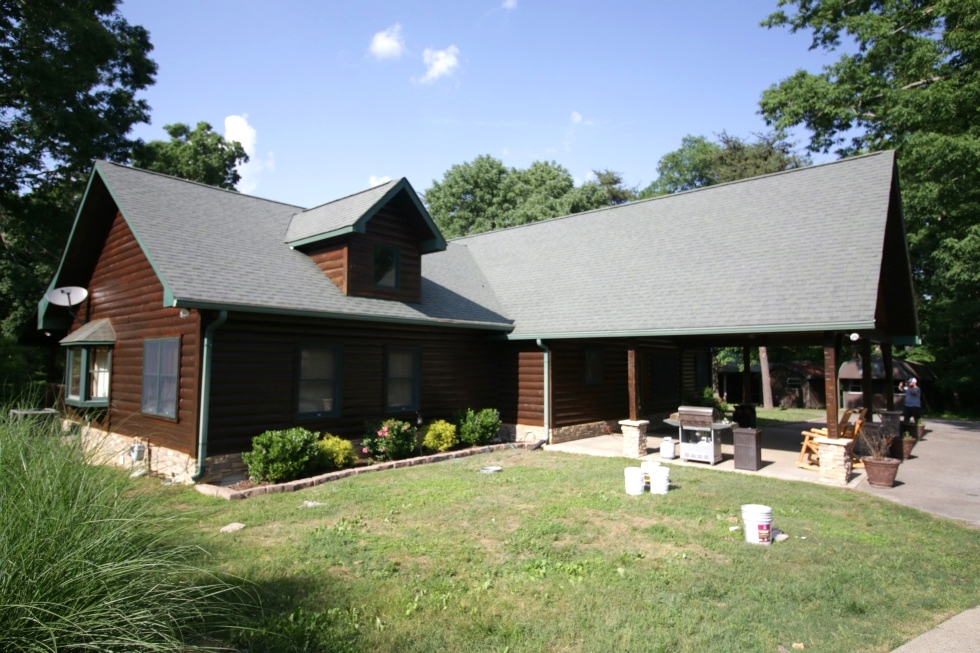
point(66, 296)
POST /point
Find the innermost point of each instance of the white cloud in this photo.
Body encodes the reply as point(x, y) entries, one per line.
point(388, 44)
point(576, 117)
point(238, 129)
point(377, 181)
point(510, 4)
point(439, 63)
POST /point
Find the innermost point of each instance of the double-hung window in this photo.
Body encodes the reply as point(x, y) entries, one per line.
point(403, 380)
point(319, 382)
point(161, 377)
point(385, 267)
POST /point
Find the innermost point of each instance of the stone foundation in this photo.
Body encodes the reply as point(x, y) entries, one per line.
point(115, 449)
point(521, 433)
point(835, 460)
point(634, 437)
point(580, 431)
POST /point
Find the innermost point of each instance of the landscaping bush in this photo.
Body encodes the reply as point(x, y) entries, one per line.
point(476, 428)
point(279, 456)
point(335, 453)
point(440, 436)
point(88, 561)
point(391, 440)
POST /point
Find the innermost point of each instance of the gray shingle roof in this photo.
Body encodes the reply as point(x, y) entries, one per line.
point(337, 215)
point(220, 248)
point(95, 332)
point(796, 250)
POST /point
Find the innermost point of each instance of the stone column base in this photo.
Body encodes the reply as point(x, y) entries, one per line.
point(634, 437)
point(835, 460)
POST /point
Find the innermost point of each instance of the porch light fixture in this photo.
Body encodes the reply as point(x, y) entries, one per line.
point(855, 336)
point(184, 312)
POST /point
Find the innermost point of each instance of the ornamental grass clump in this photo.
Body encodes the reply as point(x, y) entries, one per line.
point(280, 456)
point(478, 427)
point(88, 561)
point(392, 439)
point(440, 436)
point(878, 443)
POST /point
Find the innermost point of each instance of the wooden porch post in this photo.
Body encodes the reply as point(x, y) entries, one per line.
point(631, 366)
point(746, 377)
point(886, 360)
point(830, 383)
point(867, 389)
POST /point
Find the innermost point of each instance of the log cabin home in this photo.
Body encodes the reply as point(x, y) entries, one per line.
point(213, 316)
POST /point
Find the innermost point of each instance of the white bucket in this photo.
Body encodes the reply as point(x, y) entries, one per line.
point(635, 480)
point(758, 523)
point(659, 480)
point(667, 449)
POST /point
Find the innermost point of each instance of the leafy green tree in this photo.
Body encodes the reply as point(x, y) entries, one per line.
point(700, 162)
point(912, 83)
point(70, 72)
point(199, 155)
point(613, 185)
point(484, 195)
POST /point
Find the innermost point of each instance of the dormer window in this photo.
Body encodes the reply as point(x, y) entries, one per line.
point(385, 266)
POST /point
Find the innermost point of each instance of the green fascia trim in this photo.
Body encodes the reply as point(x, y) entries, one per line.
point(244, 308)
point(435, 244)
point(89, 343)
point(906, 340)
point(712, 331)
point(327, 235)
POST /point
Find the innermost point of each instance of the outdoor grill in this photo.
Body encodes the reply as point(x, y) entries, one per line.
point(699, 433)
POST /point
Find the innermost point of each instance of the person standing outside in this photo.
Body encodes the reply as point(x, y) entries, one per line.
point(913, 401)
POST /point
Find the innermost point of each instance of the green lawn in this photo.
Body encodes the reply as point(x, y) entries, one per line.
point(551, 555)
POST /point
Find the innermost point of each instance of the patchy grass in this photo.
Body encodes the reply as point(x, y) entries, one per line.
point(783, 415)
point(551, 555)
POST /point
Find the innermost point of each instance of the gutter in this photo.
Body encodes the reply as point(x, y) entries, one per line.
point(547, 390)
point(202, 427)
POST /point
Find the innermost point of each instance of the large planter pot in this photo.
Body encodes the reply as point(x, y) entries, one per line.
point(920, 431)
point(881, 473)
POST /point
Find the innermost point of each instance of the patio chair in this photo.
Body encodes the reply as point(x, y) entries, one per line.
point(810, 453)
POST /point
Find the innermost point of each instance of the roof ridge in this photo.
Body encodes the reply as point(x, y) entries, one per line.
point(391, 182)
point(679, 193)
point(196, 183)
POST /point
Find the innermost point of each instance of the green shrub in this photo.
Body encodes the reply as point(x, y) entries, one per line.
point(89, 561)
point(477, 428)
point(335, 453)
point(279, 456)
point(440, 436)
point(392, 439)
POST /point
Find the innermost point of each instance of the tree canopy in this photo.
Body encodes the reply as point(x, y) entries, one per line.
point(484, 195)
point(199, 155)
point(910, 81)
point(701, 162)
point(70, 72)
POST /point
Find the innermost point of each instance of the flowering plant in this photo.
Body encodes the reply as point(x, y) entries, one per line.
point(390, 440)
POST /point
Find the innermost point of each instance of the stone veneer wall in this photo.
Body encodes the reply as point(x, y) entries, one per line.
point(114, 449)
point(521, 433)
point(580, 431)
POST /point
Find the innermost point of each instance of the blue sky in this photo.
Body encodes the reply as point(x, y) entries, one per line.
point(329, 97)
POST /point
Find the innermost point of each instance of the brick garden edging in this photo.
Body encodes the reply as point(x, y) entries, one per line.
point(304, 483)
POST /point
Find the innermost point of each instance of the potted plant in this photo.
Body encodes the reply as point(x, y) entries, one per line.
point(908, 441)
point(880, 468)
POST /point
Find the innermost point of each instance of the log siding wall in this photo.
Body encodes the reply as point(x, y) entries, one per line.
point(254, 376)
point(124, 288)
point(387, 227)
point(520, 383)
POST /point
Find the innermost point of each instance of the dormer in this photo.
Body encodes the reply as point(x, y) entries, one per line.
point(371, 243)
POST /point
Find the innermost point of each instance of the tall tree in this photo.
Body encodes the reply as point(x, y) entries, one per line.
point(484, 195)
point(699, 162)
point(70, 72)
point(614, 186)
point(911, 82)
point(199, 155)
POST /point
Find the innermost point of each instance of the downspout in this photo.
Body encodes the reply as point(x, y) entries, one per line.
point(202, 427)
point(547, 390)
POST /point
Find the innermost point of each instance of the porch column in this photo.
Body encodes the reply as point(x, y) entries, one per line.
point(867, 389)
point(746, 377)
point(631, 376)
point(886, 360)
point(830, 383)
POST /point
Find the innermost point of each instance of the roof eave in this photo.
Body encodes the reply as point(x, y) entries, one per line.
point(700, 331)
